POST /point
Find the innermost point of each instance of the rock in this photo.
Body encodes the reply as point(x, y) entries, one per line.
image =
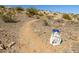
point(1, 29)
point(68, 50)
point(11, 44)
point(2, 47)
point(75, 47)
point(36, 30)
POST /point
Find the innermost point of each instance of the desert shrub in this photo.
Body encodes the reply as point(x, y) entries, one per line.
point(31, 11)
point(19, 9)
point(1, 6)
point(75, 16)
point(37, 16)
point(55, 13)
point(46, 21)
point(66, 16)
point(50, 17)
point(2, 9)
point(1, 13)
point(41, 14)
point(9, 18)
point(45, 13)
point(78, 19)
point(8, 15)
point(11, 11)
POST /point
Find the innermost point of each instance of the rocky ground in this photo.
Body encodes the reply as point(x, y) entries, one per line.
point(36, 36)
point(9, 35)
point(32, 34)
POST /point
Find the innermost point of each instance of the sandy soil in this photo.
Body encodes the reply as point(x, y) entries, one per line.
point(31, 35)
point(31, 42)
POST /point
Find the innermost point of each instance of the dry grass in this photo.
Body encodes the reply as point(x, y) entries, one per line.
point(19, 9)
point(1, 6)
point(8, 17)
point(46, 21)
point(66, 16)
point(31, 11)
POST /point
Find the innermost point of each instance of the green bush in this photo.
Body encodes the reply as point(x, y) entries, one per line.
point(66, 16)
point(31, 11)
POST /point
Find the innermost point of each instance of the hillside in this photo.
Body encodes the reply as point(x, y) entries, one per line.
point(29, 30)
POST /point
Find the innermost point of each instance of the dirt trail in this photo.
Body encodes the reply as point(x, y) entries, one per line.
point(30, 42)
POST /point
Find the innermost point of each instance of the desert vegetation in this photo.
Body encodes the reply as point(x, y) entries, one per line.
point(29, 30)
point(19, 9)
point(66, 16)
point(9, 17)
point(9, 14)
point(31, 11)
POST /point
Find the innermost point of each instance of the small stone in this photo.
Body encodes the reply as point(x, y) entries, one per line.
point(1, 29)
point(75, 47)
point(2, 47)
point(11, 44)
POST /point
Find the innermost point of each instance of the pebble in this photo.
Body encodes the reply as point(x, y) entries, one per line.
point(2, 47)
point(11, 44)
